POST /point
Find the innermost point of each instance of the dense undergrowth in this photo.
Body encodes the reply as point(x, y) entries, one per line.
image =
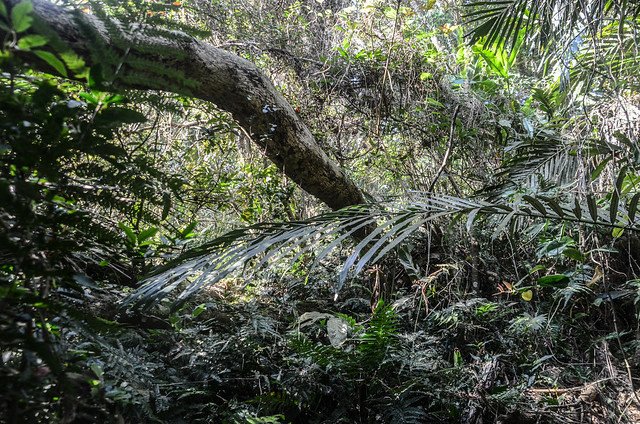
point(519, 309)
point(282, 351)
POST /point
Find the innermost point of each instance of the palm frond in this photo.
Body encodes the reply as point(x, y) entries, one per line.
point(610, 57)
point(546, 155)
point(499, 22)
point(250, 248)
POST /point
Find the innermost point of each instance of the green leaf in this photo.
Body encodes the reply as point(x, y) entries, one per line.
point(613, 209)
point(89, 98)
point(97, 370)
point(75, 63)
point(615, 195)
point(536, 204)
point(20, 16)
point(593, 208)
point(52, 60)
point(147, 234)
point(30, 41)
point(537, 268)
point(3, 10)
point(131, 237)
point(457, 358)
point(471, 218)
point(188, 230)
point(555, 206)
point(617, 232)
point(554, 280)
point(596, 172)
point(199, 309)
point(115, 116)
point(95, 77)
point(573, 253)
point(113, 99)
point(621, 176)
point(492, 60)
point(434, 102)
point(577, 210)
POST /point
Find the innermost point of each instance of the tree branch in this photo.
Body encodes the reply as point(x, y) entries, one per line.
point(187, 66)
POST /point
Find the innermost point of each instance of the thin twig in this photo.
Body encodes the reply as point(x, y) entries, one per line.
point(445, 160)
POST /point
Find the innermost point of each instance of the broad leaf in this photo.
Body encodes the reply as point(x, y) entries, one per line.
point(20, 16)
point(52, 60)
point(30, 41)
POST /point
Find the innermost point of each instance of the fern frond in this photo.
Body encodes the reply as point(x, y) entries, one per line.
point(136, 33)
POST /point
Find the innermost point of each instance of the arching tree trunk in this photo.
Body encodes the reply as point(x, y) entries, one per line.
point(184, 65)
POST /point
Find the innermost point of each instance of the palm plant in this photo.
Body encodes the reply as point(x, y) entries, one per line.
point(547, 22)
point(252, 247)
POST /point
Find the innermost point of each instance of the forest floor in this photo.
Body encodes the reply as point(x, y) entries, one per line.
point(285, 351)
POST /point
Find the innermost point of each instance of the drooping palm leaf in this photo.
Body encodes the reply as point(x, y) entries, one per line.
point(611, 57)
point(546, 155)
point(499, 22)
point(252, 247)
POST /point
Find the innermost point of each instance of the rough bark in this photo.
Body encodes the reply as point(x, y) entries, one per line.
point(211, 74)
